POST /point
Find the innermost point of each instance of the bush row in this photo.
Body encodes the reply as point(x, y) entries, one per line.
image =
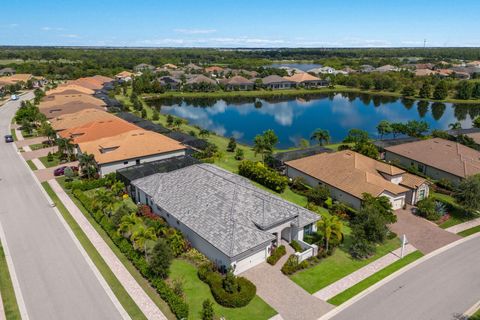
point(256, 171)
point(178, 306)
point(85, 185)
point(276, 254)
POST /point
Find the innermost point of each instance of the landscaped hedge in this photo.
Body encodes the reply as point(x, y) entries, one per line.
point(85, 185)
point(296, 246)
point(291, 265)
point(258, 172)
point(277, 253)
point(178, 306)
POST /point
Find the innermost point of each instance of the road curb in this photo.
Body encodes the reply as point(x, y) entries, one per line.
point(394, 275)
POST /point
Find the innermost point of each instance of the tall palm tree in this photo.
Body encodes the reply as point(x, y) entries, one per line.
point(87, 165)
point(104, 200)
point(141, 236)
point(127, 224)
point(65, 147)
point(321, 135)
point(330, 226)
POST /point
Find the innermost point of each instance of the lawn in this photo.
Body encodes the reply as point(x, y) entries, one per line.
point(6, 289)
point(32, 165)
point(337, 266)
point(468, 232)
point(117, 288)
point(457, 214)
point(48, 164)
point(376, 277)
point(197, 291)
point(37, 146)
point(14, 134)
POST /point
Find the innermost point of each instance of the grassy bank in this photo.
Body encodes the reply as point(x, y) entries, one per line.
point(12, 312)
point(469, 232)
point(32, 165)
point(376, 277)
point(122, 295)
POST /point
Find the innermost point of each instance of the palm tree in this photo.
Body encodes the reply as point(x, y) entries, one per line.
point(455, 125)
point(47, 131)
point(103, 200)
point(330, 226)
point(65, 147)
point(321, 135)
point(127, 224)
point(204, 133)
point(87, 165)
point(141, 236)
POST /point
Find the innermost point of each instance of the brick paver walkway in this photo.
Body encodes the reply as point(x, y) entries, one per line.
point(361, 274)
point(148, 307)
point(45, 174)
point(464, 226)
point(29, 155)
point(26, 142)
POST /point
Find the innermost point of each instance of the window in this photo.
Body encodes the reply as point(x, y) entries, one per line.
point(308, 229)
point(125, 162)
point(178, 222)
point(420, 167)
point(137, 161)
point(421, 194)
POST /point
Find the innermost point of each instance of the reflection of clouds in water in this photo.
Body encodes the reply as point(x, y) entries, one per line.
point(200, 117)
point(295, 140)
point(349, 113)
point(237, 134)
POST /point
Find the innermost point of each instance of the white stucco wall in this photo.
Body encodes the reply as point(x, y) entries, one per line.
point(397, 201)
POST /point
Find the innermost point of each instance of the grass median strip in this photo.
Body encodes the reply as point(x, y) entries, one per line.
point(376, 277)
point(468, 232)
point(32, 165)
point(12, 312)
point(122, 295)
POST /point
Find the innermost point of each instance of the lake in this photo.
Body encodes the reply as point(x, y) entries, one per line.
point(295, 118)
point(301, 66)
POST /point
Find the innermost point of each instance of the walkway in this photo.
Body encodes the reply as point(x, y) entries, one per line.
point(424, 235)
point(29, 155)
point(464, 226)
point(27, 142)
point(285, 296)
point(148, 307)
point(361, 274)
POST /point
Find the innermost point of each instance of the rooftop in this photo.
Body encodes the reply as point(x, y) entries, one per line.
point(69, 89)
point(223, 208)
point(301, 77)
point(77, 119)
point(97, 130)
point(274, 79)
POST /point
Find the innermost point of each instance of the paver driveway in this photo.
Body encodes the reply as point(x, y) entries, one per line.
point(47, 174)
point(422, 234)
point(284, 295)
point(39, 153)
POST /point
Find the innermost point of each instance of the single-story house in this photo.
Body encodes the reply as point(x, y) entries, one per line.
point(93, 83)
point(238, 83)
point(130, 148)
point(170, 83)
point(143, 67)
point(193, 67)
point(275, 82)
point(306, 80)
point(348, 175)
point(366, 68)
point(437, 158)
point(223, 215)
point(201, 82)
point(424, 72)
point(54, 106)
point(65, 89)
point(169, 66)
point(7, 72)
point(125, 76)
point(387, 68)
point(79, 118)
point(280, 158)
point(214, 69)
point(96, 130)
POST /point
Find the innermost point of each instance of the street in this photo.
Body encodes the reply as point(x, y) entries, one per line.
point(442, 286)
point(55, 279)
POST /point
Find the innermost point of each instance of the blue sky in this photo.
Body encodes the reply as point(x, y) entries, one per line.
point(246, 23)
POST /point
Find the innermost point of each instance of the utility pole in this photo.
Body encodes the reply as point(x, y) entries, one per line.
point(424, 43)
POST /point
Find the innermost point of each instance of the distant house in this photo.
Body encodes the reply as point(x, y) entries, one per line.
point(348, 175)
point(7, 72)
point(424, 72)
point(125, 76)
point(238, 83)
point(170, 83)
point(169, 66)
point(424, 66)
point(444, 72)
point(366, 68)
point(143, 67)
point(437, 158)
point(245, 73)
point(275, 82)
point(214, 70)
point(223, 215)
point(201, 83)
point(130, 148)
point(387, 68)
point(193, 66)
point(306, 80)
point(93, 83)
point(323, 70)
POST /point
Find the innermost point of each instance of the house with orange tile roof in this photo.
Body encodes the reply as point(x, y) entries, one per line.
point(348, 175)
point(214, 69)
point(130, 148)
point(54, 106)
point(89, 82)
point(125, 76)
point(65, 89)
point(305, 79)
point(77, 119)
point(96, 130)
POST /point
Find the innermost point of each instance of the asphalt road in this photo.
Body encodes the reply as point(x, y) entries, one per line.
point(55, 280)
point(438, 288)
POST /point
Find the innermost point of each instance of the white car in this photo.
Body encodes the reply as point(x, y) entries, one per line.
point(14, 97)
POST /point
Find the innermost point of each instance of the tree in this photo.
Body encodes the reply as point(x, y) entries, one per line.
point(425, 90)
point(414, 128)
point(381, 204)
point(464, 90)
point(239, 154)
point(330, 226)
point(263, 144)
point(232, 145)
point(170, 120)
point(141, 236)
point(321, 135)
point(476, 122)
point(204, 133)
point(398, 128)
point(476, 90)
point(65, 147)
point(384, 128)
point(156, 115)
point(68, 173)
point(409, 91)
point(47, 131)
point(87, 165)
point(318, 195)
point(117, 188)
point(441, 90)
point(356, 136)
point(304, 143)
point(455, 125)
point(467, 193)
point(161, 258)
point(367, 149)
point(128, 224)
point(207, 310)
point(103, 200)
point(427, 208)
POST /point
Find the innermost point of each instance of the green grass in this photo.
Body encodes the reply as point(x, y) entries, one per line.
point(36, 146)
point(457, 213)
point(14, 134)
point(337, 266)
point(468, 232)
point(151, 292)
point(376, 277)
point(122, 295)
point(6, 289)
point(32, 165)
point(197, 291)
point(48, 164)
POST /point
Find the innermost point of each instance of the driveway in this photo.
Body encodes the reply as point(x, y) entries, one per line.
point(47, 174)
point(28, 142)
point(285, 296)
point(425, 235)
point(38, 153)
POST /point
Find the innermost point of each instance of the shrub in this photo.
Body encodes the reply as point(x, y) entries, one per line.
point(318, 195)
point(362, 249)
point(426, 208)
point(256, 171)
point(239, 154)
point(296, 246)
point(85, 185)
point(196, 257)
point(161, 258)
point(232, 145)
point(276, 254)
point(207, 310)
point(291, 265)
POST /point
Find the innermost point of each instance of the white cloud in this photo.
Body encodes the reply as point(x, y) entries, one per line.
point(195, 31)
point(51, 29)
point(70, 35)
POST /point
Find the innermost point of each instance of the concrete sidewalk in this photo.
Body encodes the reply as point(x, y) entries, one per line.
point(464, 226)
point(361, 274)
point(148, 307)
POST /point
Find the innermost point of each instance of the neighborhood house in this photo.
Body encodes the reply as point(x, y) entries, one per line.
point(223, 215)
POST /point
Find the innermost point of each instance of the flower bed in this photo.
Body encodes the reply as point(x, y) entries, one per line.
point(276, 254)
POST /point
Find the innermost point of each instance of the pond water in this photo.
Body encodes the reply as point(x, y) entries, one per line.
point(295, 118)
point(300, 66)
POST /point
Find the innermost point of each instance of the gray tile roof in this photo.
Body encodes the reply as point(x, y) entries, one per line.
point(275, 79)
point(223, 208)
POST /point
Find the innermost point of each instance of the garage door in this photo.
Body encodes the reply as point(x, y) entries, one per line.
point(397, 204)
point(251, 261)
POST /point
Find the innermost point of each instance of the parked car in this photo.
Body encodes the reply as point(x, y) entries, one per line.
point(61, 170)
point(8, 138)
point(14, 97)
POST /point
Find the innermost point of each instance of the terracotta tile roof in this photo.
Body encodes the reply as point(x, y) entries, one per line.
point(475, 136)
point(350, 172)
point(201, 78)
point(274, 79)
point(57, 100)
point(14, 78)
point(301, 77)
point(129, 145)
point(97, 130)
point(69, 89)
point(424, 72)
point(445, 155)
point(214, 69)
point(76, 119)
point(124, 74)
point(102, 79)
point(90, 83)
